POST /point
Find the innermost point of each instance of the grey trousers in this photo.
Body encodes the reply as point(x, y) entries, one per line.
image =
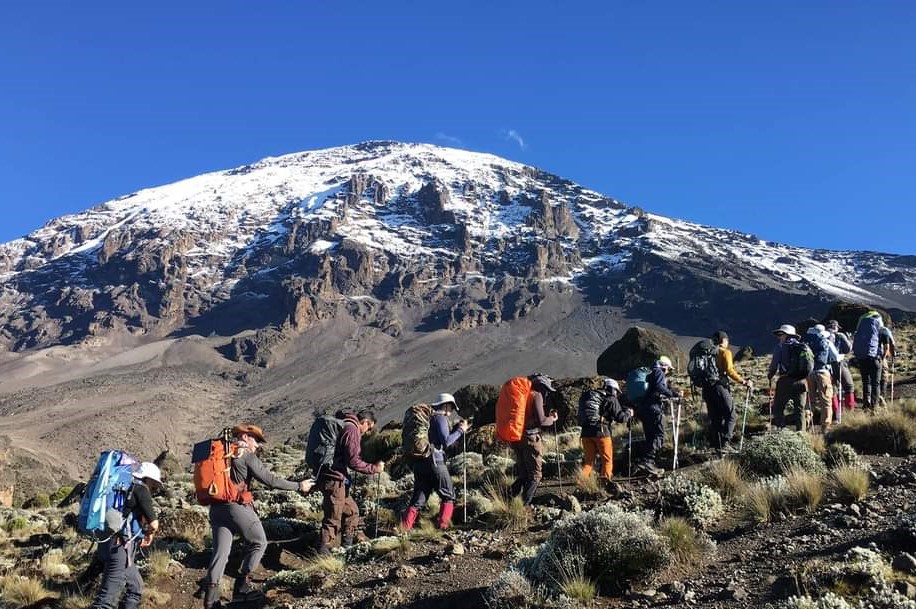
point(120, 572)
point(228, 520)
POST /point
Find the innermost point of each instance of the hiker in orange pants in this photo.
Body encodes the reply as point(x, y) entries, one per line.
point(597, 408)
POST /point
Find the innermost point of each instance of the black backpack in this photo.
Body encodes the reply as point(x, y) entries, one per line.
point(322, 442)
point(801, 360)
point(589, 413)
point(702, 368)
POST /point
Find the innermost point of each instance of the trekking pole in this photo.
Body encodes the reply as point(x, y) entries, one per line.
point(556, 440)
point(378, 500)
point(673, 435)
point(677, 432)
point(772, 397)
point(747, 404)
point(464, 473)
point(630, 448)
point(839, 401)
point(893, 367)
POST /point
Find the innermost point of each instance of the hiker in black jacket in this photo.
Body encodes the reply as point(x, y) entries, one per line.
point(597, 408)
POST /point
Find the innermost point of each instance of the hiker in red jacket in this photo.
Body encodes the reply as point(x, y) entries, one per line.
point(341, 515)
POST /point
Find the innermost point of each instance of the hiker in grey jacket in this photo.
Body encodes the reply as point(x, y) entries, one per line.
point(230, 519)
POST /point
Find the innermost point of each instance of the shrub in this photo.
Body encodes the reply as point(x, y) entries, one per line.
point(17, 524)
point(425, 531)
point(887, 431)
point(499, 463)
point(478, 504)
point(507, 512)
point(511, 590)
point(687, 545)
point(309, 577)
point(60, 494)
point(850, 483)
point(841, 454)
point(54, 565)
point(590, 485)
point(457, 463)
point(723, 475)
point(806, 490)
point(37, 502)
point(157, 564)
point(192, 526)
point(381, 446)
point(21, 591)
point(611, 547)
point(777, 453)
point(682, 496)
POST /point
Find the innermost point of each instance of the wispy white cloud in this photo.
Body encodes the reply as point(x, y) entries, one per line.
point(449, 139)
point(514, 136)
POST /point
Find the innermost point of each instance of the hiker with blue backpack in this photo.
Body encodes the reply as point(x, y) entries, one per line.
point(597, 408)
point(820, 381)
point(866, 348)
point(791, 363)
point(223, 476)
point(427, 455)
point(131, 522)
point(646, 388)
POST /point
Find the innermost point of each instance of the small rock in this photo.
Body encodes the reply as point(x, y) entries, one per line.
point(905, 562)
point(648, 593)
point(855, 510)
point(906, 589)
point(402, 572)
point(455, 549)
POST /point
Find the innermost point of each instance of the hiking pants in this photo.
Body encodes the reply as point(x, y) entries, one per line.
point(722, 417)
point(120, 572)
point(226, 521)
point(792, 393)
point(429, 477)
point(529, 459)
point(870, 367)
point(341, 515)
point(653, 426)
point(884, 375)
point(820, 392)
point(603, 448)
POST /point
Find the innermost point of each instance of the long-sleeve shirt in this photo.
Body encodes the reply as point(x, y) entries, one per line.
point(247, 467)
point(349, 452)
point(534, 415)
point(779, 363)
point(439, 436)
point(141, 503)
point(726, 364)
point(842, 342)
point(887, 346)
point(610, 410)
point(658, 386)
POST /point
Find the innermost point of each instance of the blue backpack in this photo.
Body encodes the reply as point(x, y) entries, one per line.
point(865, 342)
point(637, 384)
point(820, 349)
point(103, 508)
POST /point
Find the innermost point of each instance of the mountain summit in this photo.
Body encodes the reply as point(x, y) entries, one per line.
point(397, 235)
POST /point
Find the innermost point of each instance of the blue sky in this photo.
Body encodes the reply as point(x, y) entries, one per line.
point(795, 121)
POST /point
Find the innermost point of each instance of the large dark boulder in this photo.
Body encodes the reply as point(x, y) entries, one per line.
point(478, 403)
point(639, 347)
point(848, 315)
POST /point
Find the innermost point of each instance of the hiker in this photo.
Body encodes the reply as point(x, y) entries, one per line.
point(597, 408)
point(866, 348)
point(842, 376)
point(430, 474)
point(650, 412)
point(820, 381)
point(791, 374)
point(529, 451)
point(887, 348)
point(718, 397)
point(118, 554)
point(230, 518)
point(341, 514)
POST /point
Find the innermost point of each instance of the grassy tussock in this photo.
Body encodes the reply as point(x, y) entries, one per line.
point(157, 565)
point(590, 485)
point(685, 543)
point(324, 564)
point(21, 591)
point(806, 490)
point(75, 601)
point(724, 476)
point(761, 503)
point(817, 443)
point(579, 588)
point(890, 430)
point(154, 598)
point(850, 483)
point(508, 511)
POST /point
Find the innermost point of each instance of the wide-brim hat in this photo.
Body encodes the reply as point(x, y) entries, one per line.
point(445, 398)
point(252, 430)
point(149, 471)
point(543, 380)
point(610, 383)
point(787, 329)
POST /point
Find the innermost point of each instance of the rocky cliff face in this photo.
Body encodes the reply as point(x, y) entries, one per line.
point(394, 234)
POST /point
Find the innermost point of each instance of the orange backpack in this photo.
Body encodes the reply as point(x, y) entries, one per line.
point(511, 407)
point(212, 480)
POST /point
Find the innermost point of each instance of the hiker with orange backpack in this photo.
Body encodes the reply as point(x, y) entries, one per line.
point(429, 470)
point(519, 419)
point(228, 493)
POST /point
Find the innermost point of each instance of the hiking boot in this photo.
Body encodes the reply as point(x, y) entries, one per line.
point(445, 515)
point(729, 448)
point(242, 591)
point(323, 550)
point(409, 518)
point(346, 542)
point(210, 593)
point(650, 469)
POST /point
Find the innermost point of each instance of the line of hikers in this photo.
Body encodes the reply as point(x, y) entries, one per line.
point(117, 507)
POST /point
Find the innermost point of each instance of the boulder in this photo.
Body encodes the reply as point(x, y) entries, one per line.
point(477, 402)
point(639, 347)
point(848, 315)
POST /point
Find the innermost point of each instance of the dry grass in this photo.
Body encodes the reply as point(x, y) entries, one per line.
point(579, 588)
point(154, 598)
point(21, 591)
point(890, 430)
point(387, 519)
point(850, 483)
point(759, 501)
point(724, 476)
point(75, 601)
point(425, 531)
point(399, 546)
point(684, 541)
point(806, 490)
point(508, 511)
point(590, 485)
point(817, 443)
point(324, 564)
point(157, 565)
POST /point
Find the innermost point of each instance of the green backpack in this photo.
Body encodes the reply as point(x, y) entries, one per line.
point(415, 432)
